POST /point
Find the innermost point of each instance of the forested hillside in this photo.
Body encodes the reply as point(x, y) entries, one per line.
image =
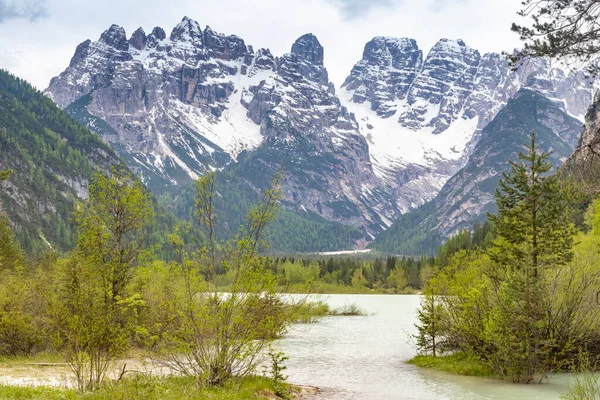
point(52, 158)
point(291, 231)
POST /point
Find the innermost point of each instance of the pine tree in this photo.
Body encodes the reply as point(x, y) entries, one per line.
point(533, 236)
point(428, 338)
point(565, 30)
point(532, 225)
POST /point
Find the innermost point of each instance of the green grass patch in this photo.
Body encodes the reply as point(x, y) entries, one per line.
point(332, 288)
point(457, 363)
point(35, 393)
point(147, 388)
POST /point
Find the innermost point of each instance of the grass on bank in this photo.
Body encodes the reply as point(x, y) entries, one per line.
point(329, 288)
point(457, 363)
point(153, 388)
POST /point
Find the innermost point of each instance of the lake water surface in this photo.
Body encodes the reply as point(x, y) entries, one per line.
point(364, 358)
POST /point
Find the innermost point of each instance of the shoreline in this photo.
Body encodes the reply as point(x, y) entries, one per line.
point(41, 379)
point(32, 389)
point(457, 364)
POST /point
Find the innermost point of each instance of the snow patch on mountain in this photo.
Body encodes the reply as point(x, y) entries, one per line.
point(233, 131)
point(392, 145)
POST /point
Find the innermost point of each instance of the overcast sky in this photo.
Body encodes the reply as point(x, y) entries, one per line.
point(38, 37)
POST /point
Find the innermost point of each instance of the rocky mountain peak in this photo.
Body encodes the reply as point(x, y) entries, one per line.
point(138, 39)
point(385, 73)
point(115, 37)
point(307, 47)
point(158, 34)
point(188, 30)
point(423, 117)
point(452, 43)
point(264, 60)
point(397, 52)
point(224, 47)
point(81, 52)
point(456, 49)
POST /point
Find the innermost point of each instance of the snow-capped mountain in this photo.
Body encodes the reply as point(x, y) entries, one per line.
point(313, 138)
point(174, 106)
point(422, 116)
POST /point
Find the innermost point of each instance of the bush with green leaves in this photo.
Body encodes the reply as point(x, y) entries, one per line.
point(218, 336)
point(526, 303)
point(94, 313)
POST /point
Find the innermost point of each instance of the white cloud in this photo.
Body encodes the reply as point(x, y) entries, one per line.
point(342, 26)
point(352, 9)
point(28, 9)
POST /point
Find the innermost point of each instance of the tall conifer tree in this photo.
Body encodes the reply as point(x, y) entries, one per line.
point(534, 236)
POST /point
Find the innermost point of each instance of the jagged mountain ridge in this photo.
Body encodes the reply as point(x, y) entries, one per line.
point(423, 116)
point(469, 195)
point(196, 100)
point(162, 99)
point(175, 106)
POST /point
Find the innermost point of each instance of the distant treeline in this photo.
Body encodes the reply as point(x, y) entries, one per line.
point(360, 273)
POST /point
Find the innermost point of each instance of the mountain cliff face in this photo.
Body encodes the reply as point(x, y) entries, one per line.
point(171, 106)
point(583, 166)
point(176, 105)
point(469, 195)
point(422, 116)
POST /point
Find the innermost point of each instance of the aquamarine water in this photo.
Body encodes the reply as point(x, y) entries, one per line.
point(364, 358)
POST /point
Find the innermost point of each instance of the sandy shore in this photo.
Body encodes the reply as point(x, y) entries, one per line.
point(58, 375)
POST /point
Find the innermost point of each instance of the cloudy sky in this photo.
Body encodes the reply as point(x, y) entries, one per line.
point(38, 37)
